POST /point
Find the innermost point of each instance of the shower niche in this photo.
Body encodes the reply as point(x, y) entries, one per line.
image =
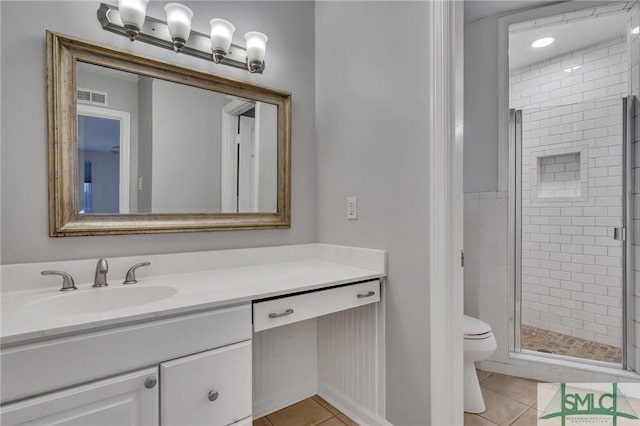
point(560, 175)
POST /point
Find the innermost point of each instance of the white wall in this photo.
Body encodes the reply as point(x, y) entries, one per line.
point(24, 192)
point(186, 141)
point(372, 112)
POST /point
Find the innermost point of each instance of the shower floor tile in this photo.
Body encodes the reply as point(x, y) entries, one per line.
point(539, 340)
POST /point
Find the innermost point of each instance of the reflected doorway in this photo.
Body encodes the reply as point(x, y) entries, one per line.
point(103, 156)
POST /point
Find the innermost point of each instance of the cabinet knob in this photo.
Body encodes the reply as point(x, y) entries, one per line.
point(150, 382)
point(213, 395)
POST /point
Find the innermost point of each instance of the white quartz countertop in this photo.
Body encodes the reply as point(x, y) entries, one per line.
point(25, 317)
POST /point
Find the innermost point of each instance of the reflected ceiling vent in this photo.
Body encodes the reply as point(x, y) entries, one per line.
point(93, 97)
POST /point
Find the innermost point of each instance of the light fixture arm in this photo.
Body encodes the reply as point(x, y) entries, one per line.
point(156, 32)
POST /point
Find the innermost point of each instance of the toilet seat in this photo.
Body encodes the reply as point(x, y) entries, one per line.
point(475, 329)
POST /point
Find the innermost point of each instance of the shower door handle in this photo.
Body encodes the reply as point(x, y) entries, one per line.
point(620, 234)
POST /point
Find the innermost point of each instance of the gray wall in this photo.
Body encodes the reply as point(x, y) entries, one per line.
point(24, 212)
point(267, 120)
point(481, 105)
point(145, 145)
point(106, 194)
point(372, 109)
point(186, 148)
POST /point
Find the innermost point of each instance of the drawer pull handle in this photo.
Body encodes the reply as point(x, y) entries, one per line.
point(150, 382)
point(281, 314)
point(368, 294)
point(212, 395)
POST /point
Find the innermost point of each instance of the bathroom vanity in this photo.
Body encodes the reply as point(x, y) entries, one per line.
point(177, 348)
point(214, 338)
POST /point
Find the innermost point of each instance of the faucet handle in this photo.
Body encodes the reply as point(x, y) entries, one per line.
point(131, 273)
point(67, 279)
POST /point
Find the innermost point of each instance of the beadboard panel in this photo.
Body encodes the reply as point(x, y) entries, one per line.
point(349, 364)
point(285, 366)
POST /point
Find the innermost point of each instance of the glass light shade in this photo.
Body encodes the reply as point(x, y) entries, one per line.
point(256, 48)
point(133, 12)
point(221, 35)
point(179, 22)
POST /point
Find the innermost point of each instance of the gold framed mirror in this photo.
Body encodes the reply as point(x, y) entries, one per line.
point(138, 145)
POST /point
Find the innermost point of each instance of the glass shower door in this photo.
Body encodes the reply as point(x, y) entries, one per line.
point(570, 207)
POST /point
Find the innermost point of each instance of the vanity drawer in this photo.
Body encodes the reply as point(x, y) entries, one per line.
point(209, 388)
point(50, 365)
point(287, 310)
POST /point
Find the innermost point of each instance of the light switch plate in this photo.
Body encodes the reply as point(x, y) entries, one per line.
point(352, 208)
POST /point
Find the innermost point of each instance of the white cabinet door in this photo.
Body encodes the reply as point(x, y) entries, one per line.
point(118, 401)
point(209, 388)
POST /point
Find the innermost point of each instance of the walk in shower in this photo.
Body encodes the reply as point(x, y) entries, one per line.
point(571, 188)
point(570, 265)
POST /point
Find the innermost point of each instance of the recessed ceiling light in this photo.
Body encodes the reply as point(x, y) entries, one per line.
point(542, 42)
point(572, 68)
point(635, 30)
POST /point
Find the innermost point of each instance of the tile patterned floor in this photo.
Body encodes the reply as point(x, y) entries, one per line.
point(511, 401)
point(309, 412)
point(537, 339)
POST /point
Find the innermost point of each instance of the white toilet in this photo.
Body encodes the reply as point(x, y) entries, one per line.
point(479, 344)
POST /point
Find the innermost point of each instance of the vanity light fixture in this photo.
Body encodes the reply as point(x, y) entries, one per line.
point(542, 42)
point(179, 23)
point(221, 35)
point(129, 19)
point(132, 14)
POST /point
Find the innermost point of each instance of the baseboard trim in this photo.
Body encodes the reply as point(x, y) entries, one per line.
point(352, 409)
point(276, 402)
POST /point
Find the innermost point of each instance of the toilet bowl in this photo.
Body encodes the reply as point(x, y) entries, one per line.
point(479, 344)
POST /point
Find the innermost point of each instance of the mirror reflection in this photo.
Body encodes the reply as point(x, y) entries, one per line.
point(147, 145)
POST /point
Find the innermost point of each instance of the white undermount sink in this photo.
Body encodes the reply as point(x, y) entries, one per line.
point(94, 300)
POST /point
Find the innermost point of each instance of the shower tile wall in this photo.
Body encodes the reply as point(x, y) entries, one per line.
point(571, 266)
point(486, 284)
point(486, 287)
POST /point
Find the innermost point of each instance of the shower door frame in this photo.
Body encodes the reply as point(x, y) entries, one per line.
point(515, 237)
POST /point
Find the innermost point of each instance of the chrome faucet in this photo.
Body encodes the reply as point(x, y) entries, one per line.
point(102, 268)
point(67, 279)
